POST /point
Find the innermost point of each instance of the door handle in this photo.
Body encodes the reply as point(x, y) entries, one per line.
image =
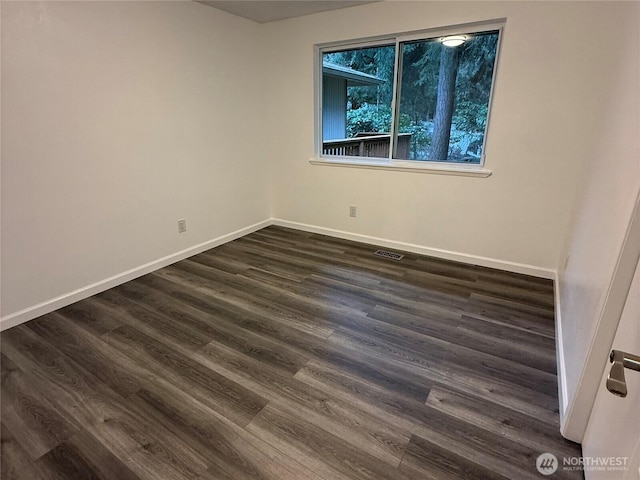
point(616, 383)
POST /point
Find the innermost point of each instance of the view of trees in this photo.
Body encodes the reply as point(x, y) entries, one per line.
point(444, 94)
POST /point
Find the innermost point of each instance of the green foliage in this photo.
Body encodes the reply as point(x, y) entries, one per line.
point(470, 116)
point(419, 87)
point(374, 118)
point(368, 118)
point(473, 84)
point(420, 137)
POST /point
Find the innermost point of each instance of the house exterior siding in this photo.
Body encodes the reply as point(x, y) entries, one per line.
point(334, 105)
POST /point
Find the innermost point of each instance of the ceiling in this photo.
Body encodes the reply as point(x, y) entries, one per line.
point(263, 11)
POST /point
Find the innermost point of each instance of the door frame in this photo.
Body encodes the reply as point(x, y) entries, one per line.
point(577, 414)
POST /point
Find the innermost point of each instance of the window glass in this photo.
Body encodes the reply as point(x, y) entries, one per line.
point(444, 98)
point(357, 89)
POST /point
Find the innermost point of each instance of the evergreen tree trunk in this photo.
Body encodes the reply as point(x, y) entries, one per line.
point(444, 104)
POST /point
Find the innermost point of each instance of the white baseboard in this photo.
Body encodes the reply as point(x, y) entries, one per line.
point(48, 306)
point(422, 250)
point(563, 397)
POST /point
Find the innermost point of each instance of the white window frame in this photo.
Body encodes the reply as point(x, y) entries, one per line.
point(423, 166)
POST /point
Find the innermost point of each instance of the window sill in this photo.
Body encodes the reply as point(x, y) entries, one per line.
point(405, 166)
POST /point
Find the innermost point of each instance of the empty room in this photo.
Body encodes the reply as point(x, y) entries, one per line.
point(320, 240)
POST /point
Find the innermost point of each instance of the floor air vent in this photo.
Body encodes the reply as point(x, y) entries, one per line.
point(393, 256)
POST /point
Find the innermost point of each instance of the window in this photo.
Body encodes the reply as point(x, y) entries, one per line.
point(421, 98)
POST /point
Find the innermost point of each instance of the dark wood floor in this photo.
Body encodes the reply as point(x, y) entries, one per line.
point(288, 355)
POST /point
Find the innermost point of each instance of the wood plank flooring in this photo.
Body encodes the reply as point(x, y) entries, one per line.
point(289, 355)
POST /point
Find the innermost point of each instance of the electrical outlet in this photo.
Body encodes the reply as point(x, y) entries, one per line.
point(182, 225)
point(353, 211)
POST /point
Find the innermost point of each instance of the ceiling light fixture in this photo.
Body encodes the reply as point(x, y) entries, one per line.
point(453, 40)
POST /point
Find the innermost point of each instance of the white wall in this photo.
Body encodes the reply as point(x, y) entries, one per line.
point(588, 296)
point(555, 62)
point(119, 118)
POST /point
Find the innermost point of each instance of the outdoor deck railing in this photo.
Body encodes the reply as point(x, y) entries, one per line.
point(367, 145)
